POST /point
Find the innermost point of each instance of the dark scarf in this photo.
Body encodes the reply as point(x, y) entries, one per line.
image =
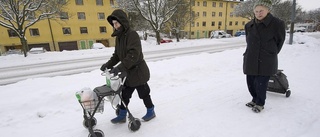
point(118, 32)
point(257, 21)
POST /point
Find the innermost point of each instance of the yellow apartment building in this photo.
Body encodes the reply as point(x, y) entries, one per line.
point(214, 15)
point(82, 24)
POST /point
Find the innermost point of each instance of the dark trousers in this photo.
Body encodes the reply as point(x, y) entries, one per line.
point(257, 86)
point(143, 92)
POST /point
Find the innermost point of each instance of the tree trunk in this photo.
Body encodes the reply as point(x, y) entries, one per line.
point(145, 35)
point(177, 36)
point(158, 37)
point(25, 46)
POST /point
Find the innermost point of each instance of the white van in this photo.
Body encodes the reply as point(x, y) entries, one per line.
point(219, 34)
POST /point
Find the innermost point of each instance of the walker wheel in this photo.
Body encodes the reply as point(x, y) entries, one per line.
point(134, 125)
point(288, 93)
point(97, 132)
point(93, 122)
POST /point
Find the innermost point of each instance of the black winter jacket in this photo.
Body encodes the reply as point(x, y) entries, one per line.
point(264, 42)
point(128, 51)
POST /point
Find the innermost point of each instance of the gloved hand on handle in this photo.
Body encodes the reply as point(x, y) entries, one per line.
point(103, 67)
point(115, 71)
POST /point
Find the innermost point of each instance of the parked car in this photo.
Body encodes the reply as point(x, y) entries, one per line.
point(220, 34)
point(165, 41)
point(98, 46)
point(13, 52)
point(297, 29)
point(240, 33)
point(37, 50)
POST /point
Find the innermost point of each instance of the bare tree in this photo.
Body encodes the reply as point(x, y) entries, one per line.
point(136, 20)
point(283, 11)
point(280, 9)
point(139, 23)
point(181, 17)
point(156, 12)
point(302, 16)
point(18, 15)
point(244, 9)
point(314, 15)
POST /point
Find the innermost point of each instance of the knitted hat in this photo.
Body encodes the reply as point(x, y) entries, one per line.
point(265, 3)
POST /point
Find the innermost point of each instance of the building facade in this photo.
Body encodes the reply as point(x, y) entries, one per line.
point(213, 15)
point(82, 24)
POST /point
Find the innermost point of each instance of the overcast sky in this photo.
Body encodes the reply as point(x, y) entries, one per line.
point(309, 4)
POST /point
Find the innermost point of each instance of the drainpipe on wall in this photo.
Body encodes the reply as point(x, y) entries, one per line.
point(190, 20)
point(54, 45)
point(225, 22)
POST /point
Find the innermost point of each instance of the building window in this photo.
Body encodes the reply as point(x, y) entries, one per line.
point(204, 24)
point(101, 16)
point(64, 16)
point(66, 30)
point(232, 5)
point(79, 2)
point(231, 15)
point(81, 16)
point(197, 24)
point(198, 3)
point(83, 30)
point(34, 32)
point(213, 23)
point(243, 22)
point(12, 33)
point(103, 29)
point(204, 4)
point(204, 14)
point(213, 14)
point(99, 2)
point(198, 14)
point(192, 32)
point(192, 24)
point(220, 14)
point(230, 23)
point(220, 23)
point(236, 23)
point(111, 2)
point(221, 4)
point(214, 4)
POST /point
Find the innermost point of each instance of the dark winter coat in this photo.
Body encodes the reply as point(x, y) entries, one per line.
point(264, 42)
point(128, 50)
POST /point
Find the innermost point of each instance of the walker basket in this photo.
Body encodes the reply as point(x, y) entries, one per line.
point(91, 105)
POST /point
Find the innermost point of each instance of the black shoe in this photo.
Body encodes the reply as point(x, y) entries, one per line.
point(257, 108)
point(250, 104)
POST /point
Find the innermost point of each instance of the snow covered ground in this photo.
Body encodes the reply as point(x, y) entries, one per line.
point(200, 95)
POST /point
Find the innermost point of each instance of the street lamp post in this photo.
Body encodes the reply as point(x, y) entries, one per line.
point(293, 15)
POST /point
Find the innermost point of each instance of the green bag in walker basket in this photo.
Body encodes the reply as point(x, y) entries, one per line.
point(89, 100)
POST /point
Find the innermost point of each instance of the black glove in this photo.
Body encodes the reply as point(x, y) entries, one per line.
point(115, 71)
point(103, 67)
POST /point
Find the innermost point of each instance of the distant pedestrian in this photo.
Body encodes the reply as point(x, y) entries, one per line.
point(128, 52)
point(265, 35)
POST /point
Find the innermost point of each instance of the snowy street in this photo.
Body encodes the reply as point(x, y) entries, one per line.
point(199, 95)
point(11, 73)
